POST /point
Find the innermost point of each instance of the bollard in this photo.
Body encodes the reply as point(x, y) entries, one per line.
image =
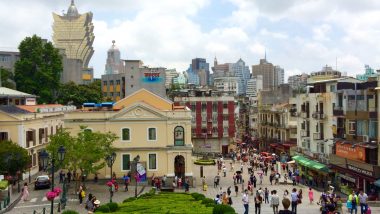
point(59, 207)
point(43, 210)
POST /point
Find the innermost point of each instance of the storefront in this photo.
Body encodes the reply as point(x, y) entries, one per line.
point(312, 172)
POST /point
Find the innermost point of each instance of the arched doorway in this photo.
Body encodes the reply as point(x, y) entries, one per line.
point(179, 166)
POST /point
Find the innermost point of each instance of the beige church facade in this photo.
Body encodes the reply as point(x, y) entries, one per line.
point(146, 125)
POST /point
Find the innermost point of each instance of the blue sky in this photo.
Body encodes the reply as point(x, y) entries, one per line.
point(299, 35)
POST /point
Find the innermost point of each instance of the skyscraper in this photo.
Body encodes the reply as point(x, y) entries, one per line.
point(279, 75)
point(266, 70)
point(114, 64)
point(74, 33)
point(200, 67)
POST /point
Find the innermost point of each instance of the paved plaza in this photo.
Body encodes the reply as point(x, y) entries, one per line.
point(38, 201)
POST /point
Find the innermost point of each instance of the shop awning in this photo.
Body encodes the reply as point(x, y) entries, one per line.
point(377, 182)
point(310, 163)
point(301, 160)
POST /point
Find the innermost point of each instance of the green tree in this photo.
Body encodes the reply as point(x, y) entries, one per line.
point(71, 93)
point(39, 69)
point(7, 79)
point(85, 151)
point(13, 158)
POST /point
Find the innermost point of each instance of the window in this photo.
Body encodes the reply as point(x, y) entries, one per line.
point(117, 82)
point(131, 86)
point(111, 82)
point(225, 105)
point(132, 75)
point(125, 134)
point(179, 136)
point(352, 126)
point(3, 136)
point(126, 162)
point(152, 162)
point(104, 83)
point(152, 134)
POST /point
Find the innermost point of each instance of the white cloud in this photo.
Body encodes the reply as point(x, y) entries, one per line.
point(164, 33)
point(321, 32)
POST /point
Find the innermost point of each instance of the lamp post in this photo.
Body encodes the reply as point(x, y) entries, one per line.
point(45, 161)
point(110, 159)
point(135, 161)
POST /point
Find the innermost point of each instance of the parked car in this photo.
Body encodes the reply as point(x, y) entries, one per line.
point(42, 182)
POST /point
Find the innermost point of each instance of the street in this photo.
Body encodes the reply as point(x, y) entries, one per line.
point(37, 200)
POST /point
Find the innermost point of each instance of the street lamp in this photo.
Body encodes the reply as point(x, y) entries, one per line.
point(110, 159)
point(45, 161)
point(135, 161)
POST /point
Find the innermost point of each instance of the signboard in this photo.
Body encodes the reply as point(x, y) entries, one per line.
point(30, 101)
point(349, 152)
point(152, 76)
point(359, 170)
point(347, 178)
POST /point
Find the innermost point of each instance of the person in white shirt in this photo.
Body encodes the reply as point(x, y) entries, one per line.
point(294, 199)
point(363, 202)
point(275, 201)
point(245, 201)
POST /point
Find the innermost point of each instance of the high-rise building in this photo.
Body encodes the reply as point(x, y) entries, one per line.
point(8, 59)
point(266, 70)
point(114, 64)
point(74, 32)
point(242, 72)
point(254, 86)
point(171, 74)
point(298, 81)
point(231, 77)
point(279, 76)
point(202, 68)
point(192, 76)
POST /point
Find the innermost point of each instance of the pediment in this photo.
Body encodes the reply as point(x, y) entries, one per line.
point(139, 112)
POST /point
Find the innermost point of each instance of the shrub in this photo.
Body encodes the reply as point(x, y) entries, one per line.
point(223, 209)
point(70, 212)
point(104, 208)
point(198, 196)
point(113, 206)
point(129, 199)
point(208, 201)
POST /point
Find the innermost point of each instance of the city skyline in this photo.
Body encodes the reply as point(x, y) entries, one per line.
point(300, 36)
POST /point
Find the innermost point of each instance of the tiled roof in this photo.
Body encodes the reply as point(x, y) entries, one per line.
point(34, 108)
point(11, 109)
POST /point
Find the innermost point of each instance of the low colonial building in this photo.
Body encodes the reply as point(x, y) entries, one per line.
point(146, 125)
point(30, 127)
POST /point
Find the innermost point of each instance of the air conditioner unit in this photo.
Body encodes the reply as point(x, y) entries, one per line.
point(365, 138)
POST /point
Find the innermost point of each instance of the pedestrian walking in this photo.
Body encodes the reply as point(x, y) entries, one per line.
point(126, 182)
point(224, 171)
point(275, 202)
point(61, 176)
point(229, 191)
point(254, 181)
point(81, 194)
point(236, 189)
point(311, 195)
point(245, 202)
point(68, 176)
point(258, 201)
point(363, 202)
point(294, 198)
point(25, 192)
point(285, 204)
point(266, 195)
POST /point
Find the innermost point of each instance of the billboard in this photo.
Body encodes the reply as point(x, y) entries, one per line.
point(350, 152)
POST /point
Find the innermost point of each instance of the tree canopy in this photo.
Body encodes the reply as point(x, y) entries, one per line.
point(7, 78)
point(39, 69)
point(13, 158)
point(85, 151)
point(71, 93)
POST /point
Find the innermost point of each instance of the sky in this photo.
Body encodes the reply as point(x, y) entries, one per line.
point(299, 35)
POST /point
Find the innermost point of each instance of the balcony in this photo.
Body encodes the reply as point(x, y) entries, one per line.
point(318, 115)
point(338, 111)
point(305, 133)
point(317, 136)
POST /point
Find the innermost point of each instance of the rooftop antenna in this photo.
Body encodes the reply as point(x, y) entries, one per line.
point(265, 56)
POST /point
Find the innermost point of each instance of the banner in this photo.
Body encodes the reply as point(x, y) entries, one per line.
point(350, 152)
point(141, 172)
